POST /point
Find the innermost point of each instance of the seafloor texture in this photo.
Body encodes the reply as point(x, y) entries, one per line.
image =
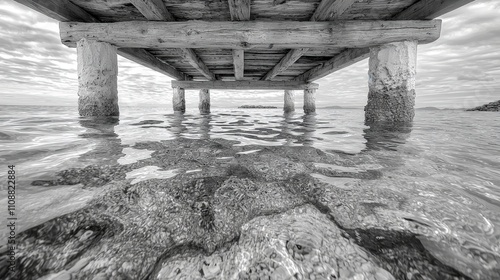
point(231, 212)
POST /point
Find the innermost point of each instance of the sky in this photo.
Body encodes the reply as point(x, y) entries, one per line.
point(459, 70)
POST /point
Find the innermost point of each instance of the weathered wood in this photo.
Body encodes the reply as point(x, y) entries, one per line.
point(285, 62)
point(429, 9)
point(327, 10)
point(153, 9)
point(61, 10)
point(251, 34)
point(197, 63)
point(331, 9)
point(289, 101)
point(144, 58)
point(179, 99)
point(204, 105)
point(239, 9)
point(238, 62)
point(423, 9)
point(290, 85)
point(338, 62)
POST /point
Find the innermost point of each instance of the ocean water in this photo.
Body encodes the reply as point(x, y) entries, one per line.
point(433, 186)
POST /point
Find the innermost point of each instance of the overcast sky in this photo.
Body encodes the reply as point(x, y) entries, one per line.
point(460, 70)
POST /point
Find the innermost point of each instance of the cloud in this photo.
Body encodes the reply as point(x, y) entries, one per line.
point(461, 69)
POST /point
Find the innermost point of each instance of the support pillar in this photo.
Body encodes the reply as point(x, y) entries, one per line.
point(289, 105)
point(204, 101)
point(309, 100)
point(391, 85)
point(179, 100)
point(97, 78)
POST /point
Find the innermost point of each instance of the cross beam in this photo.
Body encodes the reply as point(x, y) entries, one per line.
point(242, 85)
point(251, 34)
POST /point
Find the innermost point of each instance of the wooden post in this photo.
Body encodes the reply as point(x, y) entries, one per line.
point(179, 100)
point(204, 101)
point(391, 85)
point(289, 105)
point(309, 100)
point(97, 79)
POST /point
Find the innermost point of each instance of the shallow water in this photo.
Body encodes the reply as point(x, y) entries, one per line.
point(438, 179)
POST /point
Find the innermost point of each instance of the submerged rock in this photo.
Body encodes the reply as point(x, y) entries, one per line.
point(228, 213)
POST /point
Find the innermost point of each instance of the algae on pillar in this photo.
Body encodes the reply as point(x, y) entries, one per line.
point(309, 100)
point(179, 100)
point(289, 100)
point(392, 70)
point(97, 78)
point(204, 101)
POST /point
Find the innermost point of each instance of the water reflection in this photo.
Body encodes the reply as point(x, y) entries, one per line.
point(205, 126)
point(309, 123)
point(178, 127)
point(101, 132)
point(386, 136)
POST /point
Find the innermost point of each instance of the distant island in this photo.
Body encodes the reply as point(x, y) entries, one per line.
point(492, 106)
point(257, 107)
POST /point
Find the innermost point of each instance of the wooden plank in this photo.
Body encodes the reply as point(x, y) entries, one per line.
point(327, 10)
point(156, 10)
point(64, 10)
point(285, 62)
point(238, 62)
point(331, 9)
point(282, 85)
point(61, 10)
point(250, 34)
point(153, 9)
point(423, 9)
point(144, 58)
point(197, 63)
point(239, 9)
point(430, 9)
point(338, 62)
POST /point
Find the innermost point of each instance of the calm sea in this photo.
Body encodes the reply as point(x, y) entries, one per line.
point(447, 164)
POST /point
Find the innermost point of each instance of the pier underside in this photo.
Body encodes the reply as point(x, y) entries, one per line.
point(257, 41)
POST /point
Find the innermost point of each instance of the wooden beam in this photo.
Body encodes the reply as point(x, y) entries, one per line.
point(338, 62)
point(144, 58)
point(197, 63)
point(326, 10)
point(156, 10)
point(430, 9)
point(153, 9)
point(423, 9)
point(65, 10)
point(61, 10)
point(237, 85)
point(250, 34)
point(239, 64)
point(331, 9)
point(239, 9)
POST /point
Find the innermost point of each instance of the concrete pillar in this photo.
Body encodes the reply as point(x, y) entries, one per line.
point(97, 78)
point(289, 105)
point(309, 100)
point(179, 100)
point(391, 85)
point(204, 101)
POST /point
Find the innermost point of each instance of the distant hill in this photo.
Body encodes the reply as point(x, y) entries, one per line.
point(429, 108)
point(341, 107)
point(492, 106)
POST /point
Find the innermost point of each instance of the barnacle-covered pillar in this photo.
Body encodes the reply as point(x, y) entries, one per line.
point(97, 78)
point(289, 99)
point(204, 101)
point(179, 100)
point(309, 100)
point(392, 70)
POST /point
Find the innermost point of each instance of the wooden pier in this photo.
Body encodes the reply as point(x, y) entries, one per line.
point(249, 44)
